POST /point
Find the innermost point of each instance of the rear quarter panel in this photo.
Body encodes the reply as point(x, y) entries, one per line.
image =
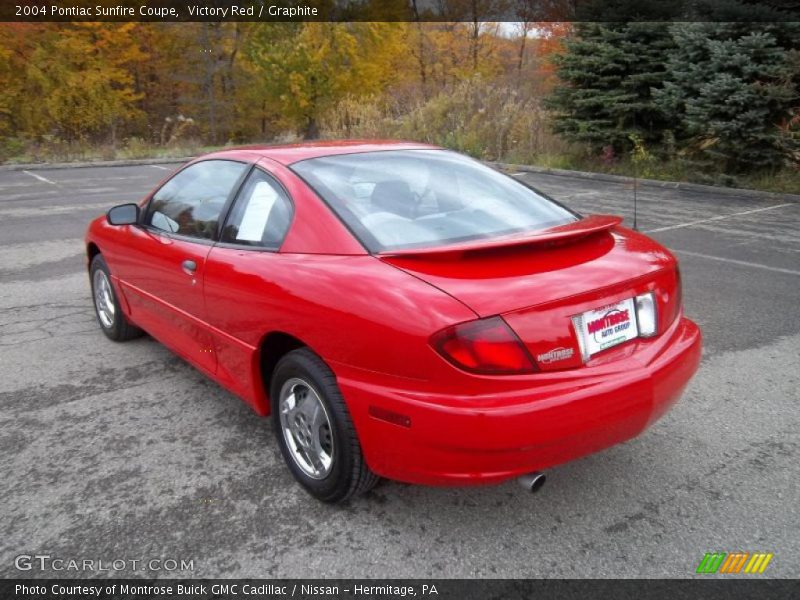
point(352, 310)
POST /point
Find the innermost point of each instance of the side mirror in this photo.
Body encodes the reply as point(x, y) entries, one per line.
point(124, 214)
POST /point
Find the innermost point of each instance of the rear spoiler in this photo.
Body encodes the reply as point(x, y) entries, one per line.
point(562, 233)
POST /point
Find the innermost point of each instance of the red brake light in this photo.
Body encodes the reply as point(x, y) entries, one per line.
point(676, 301)
point(486, 346)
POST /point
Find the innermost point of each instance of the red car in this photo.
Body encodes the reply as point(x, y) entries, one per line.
point(403, 311)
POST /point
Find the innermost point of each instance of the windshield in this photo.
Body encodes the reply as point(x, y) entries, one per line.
point(402, 199)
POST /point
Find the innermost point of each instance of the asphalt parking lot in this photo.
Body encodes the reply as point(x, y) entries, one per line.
point(122, 451)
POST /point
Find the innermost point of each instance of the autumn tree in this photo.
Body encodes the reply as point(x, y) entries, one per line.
point(306, 68)
point(162, 81)
point(80, 76)
point(14, 52)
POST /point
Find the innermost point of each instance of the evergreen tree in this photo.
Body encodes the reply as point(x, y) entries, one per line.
point(608, 72)
point(729, 86)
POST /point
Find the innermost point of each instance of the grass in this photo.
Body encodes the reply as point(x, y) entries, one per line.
point(50, 151)
point(785, 181)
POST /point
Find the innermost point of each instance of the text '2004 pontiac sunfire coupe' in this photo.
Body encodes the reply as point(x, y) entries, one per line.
point(400, 310)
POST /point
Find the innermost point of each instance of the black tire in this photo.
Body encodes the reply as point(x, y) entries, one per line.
point(116, 326)
point(349, 474)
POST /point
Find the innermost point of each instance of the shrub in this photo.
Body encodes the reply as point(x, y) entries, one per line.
point(11, 147)
point(488, 120)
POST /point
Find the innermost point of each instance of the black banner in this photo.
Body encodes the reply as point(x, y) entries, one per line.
point(398, 10)
point(732, 588)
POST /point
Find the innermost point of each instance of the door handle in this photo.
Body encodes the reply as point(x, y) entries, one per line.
point(189, 266)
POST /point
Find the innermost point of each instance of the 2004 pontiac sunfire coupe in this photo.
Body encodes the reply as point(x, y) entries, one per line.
point(401, 310)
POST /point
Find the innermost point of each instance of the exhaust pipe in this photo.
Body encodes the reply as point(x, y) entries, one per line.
point(532, 482)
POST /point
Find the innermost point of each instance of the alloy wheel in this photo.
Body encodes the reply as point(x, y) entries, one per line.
point(306, 428)
point(103, 299)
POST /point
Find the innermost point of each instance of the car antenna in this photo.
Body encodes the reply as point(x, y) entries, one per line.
point(635, 187)
point(635, 177)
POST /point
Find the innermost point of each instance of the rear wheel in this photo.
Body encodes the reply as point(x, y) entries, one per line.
point(106, 306)
point(314, 430)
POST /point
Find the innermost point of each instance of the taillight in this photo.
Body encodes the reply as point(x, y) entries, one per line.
point(675, 303)
point(486, 346)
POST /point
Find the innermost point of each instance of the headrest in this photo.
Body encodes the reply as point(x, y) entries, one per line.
point(394, 197)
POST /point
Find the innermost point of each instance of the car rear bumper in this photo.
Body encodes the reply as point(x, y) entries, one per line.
point(409, 433)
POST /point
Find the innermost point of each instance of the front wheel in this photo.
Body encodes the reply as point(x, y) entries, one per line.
point(106, 306)
point(314, 430)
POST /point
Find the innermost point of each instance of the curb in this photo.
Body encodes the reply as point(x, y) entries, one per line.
point(132, 162)
point(654, 183)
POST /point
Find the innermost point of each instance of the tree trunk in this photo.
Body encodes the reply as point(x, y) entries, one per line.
point(475, 35)
point(211, 100)
point(312, 129)
point(423, 71)
point(522, 47)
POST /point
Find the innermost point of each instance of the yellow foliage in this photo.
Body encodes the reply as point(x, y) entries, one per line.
point(80, 77)
point(232, 81)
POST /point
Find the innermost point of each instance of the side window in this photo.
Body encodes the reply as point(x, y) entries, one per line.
point(191, 202)
point(261, 215)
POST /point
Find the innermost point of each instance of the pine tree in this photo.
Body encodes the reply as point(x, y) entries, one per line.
point(728, 87)
point(608, 72)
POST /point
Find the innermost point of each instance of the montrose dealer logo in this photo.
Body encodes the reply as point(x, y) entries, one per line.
point(555, 354)
point(612, 319)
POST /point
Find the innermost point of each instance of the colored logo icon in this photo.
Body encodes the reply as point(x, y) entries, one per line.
point(736, 562)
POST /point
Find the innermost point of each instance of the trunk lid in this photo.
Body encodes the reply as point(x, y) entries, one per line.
point(539, 285)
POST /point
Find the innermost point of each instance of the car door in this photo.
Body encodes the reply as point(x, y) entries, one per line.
point(241, 269)
point(163, 267)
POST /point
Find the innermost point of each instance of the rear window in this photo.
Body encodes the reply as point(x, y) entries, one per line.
point(403, 199)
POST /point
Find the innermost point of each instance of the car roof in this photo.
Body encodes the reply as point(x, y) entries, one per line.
point(291, 153)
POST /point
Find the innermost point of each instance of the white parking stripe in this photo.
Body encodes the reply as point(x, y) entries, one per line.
point(741, 263)
point(51, 209)
point(39, 177)
point(720, 217)
point(159, 167)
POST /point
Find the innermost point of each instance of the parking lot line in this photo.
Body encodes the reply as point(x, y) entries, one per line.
point(159, 167)
point(741, 263)
point(39, 177)
point(719, 218)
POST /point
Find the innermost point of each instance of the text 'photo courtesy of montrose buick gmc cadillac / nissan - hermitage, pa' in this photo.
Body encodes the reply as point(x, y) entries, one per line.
point(401, 311)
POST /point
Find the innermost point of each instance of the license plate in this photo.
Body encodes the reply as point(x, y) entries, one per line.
point(608, 326)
